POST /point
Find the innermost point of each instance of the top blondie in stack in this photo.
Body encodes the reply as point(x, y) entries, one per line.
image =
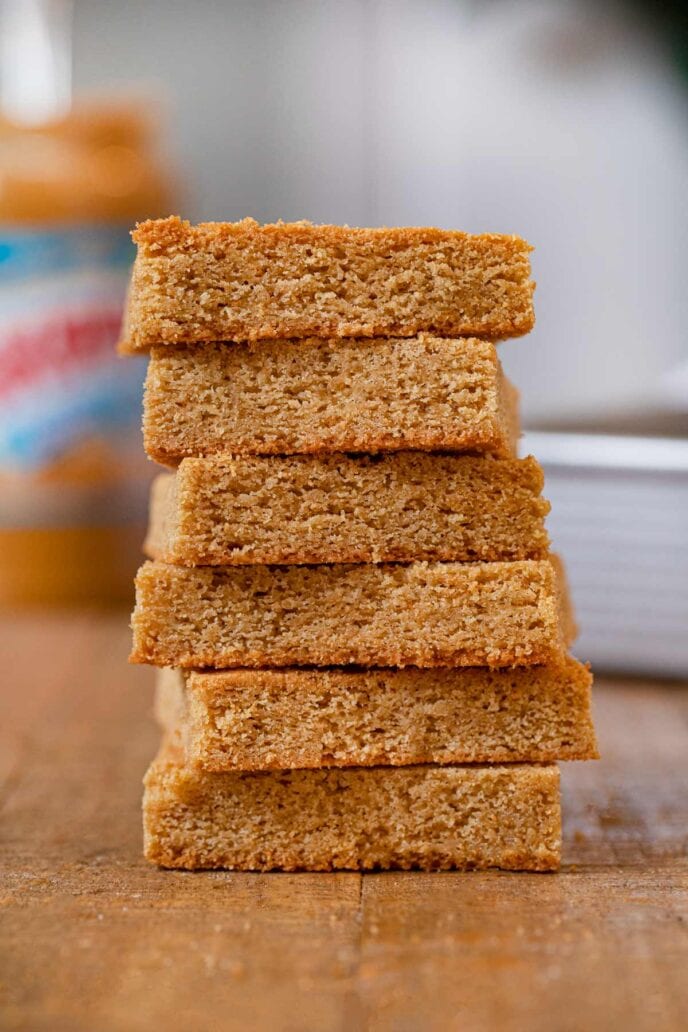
point(351, 590)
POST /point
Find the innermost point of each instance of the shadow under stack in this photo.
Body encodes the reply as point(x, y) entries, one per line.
point(361, 633)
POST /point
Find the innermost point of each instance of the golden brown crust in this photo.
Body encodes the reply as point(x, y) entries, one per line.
point(432, 818)
point(492, 442)
point(174, 235)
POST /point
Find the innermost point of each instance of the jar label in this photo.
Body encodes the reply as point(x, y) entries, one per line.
point(61, 299)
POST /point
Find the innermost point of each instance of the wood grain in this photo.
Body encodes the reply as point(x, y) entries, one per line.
point(92, 938)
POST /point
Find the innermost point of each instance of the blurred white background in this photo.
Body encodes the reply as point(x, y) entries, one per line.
point(562, 121)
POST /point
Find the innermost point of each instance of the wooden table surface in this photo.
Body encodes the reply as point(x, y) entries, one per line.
point(94, 939)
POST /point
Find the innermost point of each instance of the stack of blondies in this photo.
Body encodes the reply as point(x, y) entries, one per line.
point(361, 631)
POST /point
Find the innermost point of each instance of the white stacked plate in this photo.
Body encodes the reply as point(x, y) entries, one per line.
point(620, 520)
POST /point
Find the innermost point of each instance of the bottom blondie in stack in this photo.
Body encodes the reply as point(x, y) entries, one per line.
point(361, 632)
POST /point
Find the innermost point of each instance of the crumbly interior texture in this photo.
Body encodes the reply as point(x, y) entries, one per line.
point(308, 396)
point(427, 817)
point(245, 281)
point(277, 720)
point(343, 509)
point(420, 614)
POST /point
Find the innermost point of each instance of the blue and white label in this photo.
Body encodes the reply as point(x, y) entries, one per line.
point(61, 299)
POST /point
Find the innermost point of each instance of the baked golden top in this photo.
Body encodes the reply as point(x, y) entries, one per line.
point(175, 235)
